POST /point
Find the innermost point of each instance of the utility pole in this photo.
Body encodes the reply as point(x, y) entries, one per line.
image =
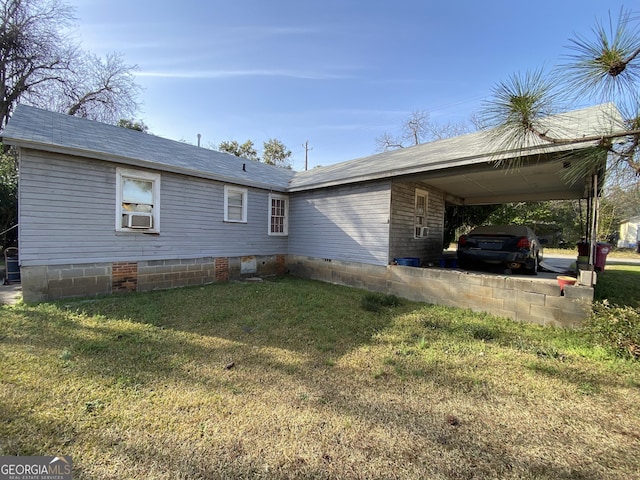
point(306, 154)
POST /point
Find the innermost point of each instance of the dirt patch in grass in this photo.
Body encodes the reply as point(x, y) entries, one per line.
point(300, 379)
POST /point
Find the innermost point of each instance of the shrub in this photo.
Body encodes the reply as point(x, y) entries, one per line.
point(616, 328)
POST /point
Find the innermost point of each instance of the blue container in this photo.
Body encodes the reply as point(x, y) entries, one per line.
point(408, 261)
point(448, 262)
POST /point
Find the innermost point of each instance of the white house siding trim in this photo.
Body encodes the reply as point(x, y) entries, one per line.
point(348, 223)
point(67, 207)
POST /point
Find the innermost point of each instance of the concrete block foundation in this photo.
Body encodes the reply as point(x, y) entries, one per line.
point(521, 299)
point(52, 282)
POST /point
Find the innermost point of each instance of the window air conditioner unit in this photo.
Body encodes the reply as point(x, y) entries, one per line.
point(138, 220)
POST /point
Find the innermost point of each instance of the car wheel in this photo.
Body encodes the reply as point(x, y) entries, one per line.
point(463, 265)
point(533, 269)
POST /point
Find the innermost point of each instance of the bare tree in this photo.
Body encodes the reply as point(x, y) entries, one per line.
point(41, 65)
point(34, 53)
point(386, 142)
point(100, 88)
point(418, 128)
point(477, 122)
point(438, 131)
point(413, 130)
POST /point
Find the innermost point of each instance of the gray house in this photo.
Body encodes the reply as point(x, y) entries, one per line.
point(104, 209)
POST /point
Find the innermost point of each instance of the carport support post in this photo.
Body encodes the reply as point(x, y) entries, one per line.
point(594, 226)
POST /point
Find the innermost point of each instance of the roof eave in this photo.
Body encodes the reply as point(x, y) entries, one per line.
point(450, 163)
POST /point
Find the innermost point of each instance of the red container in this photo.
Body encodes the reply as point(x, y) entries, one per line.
point(563, 281)
point(602, 250)
point(583, 249)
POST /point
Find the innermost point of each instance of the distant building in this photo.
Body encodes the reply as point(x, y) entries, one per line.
point(629, 233)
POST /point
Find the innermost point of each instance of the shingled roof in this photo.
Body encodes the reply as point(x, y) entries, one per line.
point(40, 129)
point(466, 150)
point(55, 132)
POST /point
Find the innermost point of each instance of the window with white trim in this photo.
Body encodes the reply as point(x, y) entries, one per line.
point(420, 214)
point(235, 204)
point(137, 201)
point(278, 214)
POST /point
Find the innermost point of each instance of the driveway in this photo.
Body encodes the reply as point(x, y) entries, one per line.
point(560, 262)
point(566, 260)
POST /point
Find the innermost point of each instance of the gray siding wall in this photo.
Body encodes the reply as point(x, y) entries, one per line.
point(402, 242)
point(348, 223)
point(67, 215)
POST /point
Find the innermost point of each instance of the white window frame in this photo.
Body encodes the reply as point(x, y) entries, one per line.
point(285, 198)
point(420, 228)
point(245, 195)
point(122, 173)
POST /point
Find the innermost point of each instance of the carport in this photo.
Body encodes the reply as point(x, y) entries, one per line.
point(473, 169)
point(481, 168)
point(539, 171)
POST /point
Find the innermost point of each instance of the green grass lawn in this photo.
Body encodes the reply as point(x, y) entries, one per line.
point(619, 284)
point(293, 378)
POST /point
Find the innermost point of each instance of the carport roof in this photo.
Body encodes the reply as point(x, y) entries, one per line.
point(464, 166)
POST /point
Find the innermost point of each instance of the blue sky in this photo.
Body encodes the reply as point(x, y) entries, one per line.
point(337, 73)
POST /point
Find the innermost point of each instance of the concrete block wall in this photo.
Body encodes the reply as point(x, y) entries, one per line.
point(52, 282)
point(518, 298)
point(161, 274)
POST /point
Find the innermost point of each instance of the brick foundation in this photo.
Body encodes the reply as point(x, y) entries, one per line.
point(124, 277)
point(222, 269)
